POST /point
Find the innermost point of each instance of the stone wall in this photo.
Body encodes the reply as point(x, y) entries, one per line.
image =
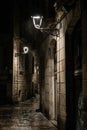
point(61, 82)
point(22, 63)
point(49, 104)
point(22, 72)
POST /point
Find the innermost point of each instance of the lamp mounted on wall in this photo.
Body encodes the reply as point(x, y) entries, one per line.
point(25, 49)
point(37, 21)
point(52, 30)
point(23, 52)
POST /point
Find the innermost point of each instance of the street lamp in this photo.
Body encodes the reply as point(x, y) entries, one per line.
point(37, 21)
point(24, 51)
point(52, 30)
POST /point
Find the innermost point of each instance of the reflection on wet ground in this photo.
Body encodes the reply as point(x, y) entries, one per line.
point(24, 117)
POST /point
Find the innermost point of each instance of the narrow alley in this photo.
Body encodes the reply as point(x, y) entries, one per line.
point(43, 65)
point(24, 116)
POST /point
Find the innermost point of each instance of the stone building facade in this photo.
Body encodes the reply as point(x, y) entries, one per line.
point(62, 98)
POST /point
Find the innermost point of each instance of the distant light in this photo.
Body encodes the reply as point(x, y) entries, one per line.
point(25, 50)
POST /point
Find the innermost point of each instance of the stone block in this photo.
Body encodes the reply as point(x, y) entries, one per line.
point(62, 77)
point(58, 67)
point(58, 56)
point(62, 65)
point(62, 54)
point(58, 78)
point(62, 42)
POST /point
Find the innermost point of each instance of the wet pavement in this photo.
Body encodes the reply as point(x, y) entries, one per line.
point(24, 117)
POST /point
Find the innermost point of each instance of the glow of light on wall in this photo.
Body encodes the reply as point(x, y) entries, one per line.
point(35, 70)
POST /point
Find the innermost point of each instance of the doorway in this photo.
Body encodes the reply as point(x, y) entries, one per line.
point(73, 75)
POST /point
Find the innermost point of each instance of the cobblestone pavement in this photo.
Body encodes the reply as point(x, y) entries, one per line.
point(24, 117)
